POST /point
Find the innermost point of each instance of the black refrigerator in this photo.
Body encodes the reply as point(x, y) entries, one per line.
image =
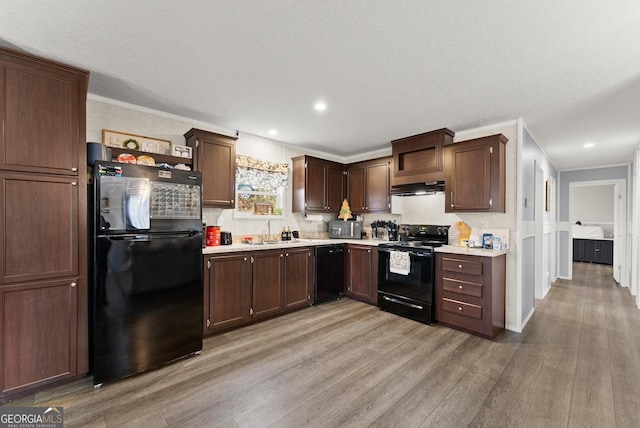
point(146, 295)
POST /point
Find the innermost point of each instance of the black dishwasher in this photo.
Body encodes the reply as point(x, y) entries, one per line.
point(329, 280)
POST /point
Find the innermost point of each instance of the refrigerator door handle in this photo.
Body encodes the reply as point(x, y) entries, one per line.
point(150, 236)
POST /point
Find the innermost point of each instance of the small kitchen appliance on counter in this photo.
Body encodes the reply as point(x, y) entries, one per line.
point(345, 229)
point(225, 238)
point(406, 272)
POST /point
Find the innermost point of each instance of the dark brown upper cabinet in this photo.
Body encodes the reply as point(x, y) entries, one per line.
point(475, 175)
point(419, 159)
point(318, 185)
point(214, 155)
point(368, 186)
point(43, 114)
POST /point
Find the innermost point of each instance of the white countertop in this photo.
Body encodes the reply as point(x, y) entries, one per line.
point(453, 249)
point(221, 249)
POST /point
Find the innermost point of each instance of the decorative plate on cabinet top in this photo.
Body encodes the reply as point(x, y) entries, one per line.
point(126, 158)
point(145, 160)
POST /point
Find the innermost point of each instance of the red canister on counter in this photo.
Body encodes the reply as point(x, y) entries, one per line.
point(213, 236)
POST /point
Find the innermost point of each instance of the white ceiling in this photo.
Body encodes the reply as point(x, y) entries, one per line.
point(387, 69)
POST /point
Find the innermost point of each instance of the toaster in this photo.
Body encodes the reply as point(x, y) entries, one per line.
point(225, 238)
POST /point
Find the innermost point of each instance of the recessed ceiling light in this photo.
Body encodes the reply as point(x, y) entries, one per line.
point(320, 106)
point(273, 132)
point(588, 145)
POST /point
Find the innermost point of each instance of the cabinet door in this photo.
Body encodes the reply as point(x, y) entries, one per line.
point(335, 187)
point(606, 252)
point(43, 113)
point(377, 187)
point(359, 265)
point(475, 175)
point(356, 189)
point(39, 218)
point(316, 179)
point(38, 334)
point(578, 250)
point(591, 250)
point(229, 291)
point(469, 187)
point(215, 157)
point(267, 283)
point(297, 276)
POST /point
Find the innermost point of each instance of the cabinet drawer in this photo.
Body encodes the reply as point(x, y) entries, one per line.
point(462, 287)
point(464, 266)
point(462, 308)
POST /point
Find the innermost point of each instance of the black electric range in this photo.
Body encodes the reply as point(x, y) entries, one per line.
point(406, 271)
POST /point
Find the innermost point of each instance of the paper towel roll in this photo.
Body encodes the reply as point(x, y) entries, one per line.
point(313, 217)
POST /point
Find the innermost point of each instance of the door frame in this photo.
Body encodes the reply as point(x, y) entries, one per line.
point(539, 205)
point(619, 224)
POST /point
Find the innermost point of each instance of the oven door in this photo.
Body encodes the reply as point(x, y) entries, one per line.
point(417, 285)
point(411, 295)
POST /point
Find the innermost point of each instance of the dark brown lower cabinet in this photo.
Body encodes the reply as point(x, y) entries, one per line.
point(361, 273)
point(242, 287)
point(227, 291)
point(39, 333)
point(267, 285)
point(298, 277)
point(470, 293)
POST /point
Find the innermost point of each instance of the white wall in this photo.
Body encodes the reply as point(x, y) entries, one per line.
point(594, 205)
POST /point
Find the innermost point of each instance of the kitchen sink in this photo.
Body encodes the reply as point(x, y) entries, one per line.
point(264, 243)
point(282, 242)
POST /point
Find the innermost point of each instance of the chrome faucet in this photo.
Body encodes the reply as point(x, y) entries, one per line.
point(268, 229)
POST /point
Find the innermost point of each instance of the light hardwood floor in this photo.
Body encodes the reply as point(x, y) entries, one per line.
point(346, 363)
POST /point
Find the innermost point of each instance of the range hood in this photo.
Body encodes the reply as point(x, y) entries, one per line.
point(424, 188)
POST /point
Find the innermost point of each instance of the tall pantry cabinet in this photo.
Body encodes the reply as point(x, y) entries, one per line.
point(43, 223)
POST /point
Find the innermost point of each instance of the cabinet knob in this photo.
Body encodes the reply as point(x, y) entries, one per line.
point(460, 287)
point(74, 169)
point(459, 266)
point(74, 183)
point(459, 308)
point(73, 284)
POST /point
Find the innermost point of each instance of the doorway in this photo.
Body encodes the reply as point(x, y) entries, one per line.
point(610, 214)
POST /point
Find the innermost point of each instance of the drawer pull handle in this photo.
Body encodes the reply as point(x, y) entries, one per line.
point(459, 308)
point(459, 266)
point(460, 287)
